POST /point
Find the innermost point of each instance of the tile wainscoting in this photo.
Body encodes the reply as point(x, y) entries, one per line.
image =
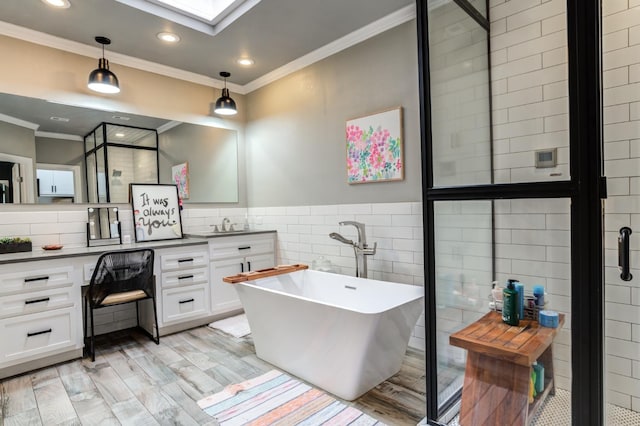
point(303, 235)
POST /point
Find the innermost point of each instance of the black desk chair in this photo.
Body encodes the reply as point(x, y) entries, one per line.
point(122, 276)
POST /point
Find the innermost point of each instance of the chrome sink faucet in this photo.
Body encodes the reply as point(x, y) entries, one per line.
point(224, 227)
point(360, 248)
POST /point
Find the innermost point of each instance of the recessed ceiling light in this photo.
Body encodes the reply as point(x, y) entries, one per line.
point(62, 4)
point(245, 62)
point(168, 37)
point(63, 119)
point(120, 117)
point(119, 135)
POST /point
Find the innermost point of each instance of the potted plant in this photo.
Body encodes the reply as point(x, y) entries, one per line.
point(14, 245)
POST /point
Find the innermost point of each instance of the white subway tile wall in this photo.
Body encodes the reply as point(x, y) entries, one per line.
point(530, 107)
point(531, 84)
point(535, 251)
point(530, 112)
point(459, 98)
point(463, 271)
point(621, 63)
point(303, 237)
point(46, 227)
point(121, 159)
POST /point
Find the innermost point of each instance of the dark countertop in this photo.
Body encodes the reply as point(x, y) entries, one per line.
point(40, 254)
point(189, 240)
point(205, 234)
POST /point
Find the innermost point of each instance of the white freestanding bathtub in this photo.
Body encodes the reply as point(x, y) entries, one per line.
point(340, 333)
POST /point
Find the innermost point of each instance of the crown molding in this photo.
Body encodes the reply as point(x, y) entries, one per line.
point(392, 20)
point(168, 126)
point(18, 122)
point(43, 39)
point(64, 136)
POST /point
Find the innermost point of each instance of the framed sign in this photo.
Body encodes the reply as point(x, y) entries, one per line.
point(156, 212)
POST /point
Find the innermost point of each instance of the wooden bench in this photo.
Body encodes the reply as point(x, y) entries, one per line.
point(498, 371)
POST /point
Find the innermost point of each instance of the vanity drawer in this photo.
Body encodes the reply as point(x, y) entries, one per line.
point(185, 303)
point(38, 279)
point(35, 334)
point(185, 277)
point(195, 259)
point(35, 301)
point(241, 247)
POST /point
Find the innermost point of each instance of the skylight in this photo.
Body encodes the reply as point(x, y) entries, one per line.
point(206, 10)
point(207, 16)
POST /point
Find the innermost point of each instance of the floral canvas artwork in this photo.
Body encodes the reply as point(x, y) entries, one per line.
point(180, 176)
point(374, 147)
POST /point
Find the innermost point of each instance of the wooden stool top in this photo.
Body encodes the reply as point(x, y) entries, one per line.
point(522, 344)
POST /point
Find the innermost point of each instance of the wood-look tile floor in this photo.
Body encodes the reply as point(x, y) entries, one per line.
point(136, 382)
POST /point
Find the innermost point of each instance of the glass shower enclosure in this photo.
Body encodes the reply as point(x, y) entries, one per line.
point(117, 155)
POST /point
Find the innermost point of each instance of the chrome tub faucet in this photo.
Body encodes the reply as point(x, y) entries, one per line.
point(360, 248)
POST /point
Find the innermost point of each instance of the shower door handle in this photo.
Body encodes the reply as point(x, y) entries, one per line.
point(623, 253)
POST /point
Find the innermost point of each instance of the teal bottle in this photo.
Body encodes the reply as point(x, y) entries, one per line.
point(539, 369)
point(510, 303)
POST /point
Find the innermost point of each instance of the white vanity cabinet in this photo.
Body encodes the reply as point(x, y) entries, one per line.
point(231, 255)
point(182, 281)
point(40, 314)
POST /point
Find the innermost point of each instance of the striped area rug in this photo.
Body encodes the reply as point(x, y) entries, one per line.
point(276, 399)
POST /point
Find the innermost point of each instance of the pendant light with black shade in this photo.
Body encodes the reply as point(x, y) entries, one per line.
point(102, 79)
point(225, 105)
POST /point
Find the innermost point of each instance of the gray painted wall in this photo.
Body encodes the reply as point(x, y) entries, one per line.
point(62, 151)
point(17, 140)
point(295, 134)
point(59, 151)
point(212, 156)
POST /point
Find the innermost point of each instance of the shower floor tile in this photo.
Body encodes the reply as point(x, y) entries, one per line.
point(556, 409)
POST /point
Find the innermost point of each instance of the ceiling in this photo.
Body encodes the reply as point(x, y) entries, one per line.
point(272, 32)
point(44, 116)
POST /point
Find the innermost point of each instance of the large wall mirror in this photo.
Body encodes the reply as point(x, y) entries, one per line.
point(42, 153)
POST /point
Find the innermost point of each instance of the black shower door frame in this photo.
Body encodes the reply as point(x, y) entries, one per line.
point(586, 189)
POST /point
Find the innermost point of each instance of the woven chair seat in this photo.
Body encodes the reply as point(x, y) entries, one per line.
point(124, 297)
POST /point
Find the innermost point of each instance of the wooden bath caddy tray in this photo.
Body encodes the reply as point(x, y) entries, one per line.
point(263, 273)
